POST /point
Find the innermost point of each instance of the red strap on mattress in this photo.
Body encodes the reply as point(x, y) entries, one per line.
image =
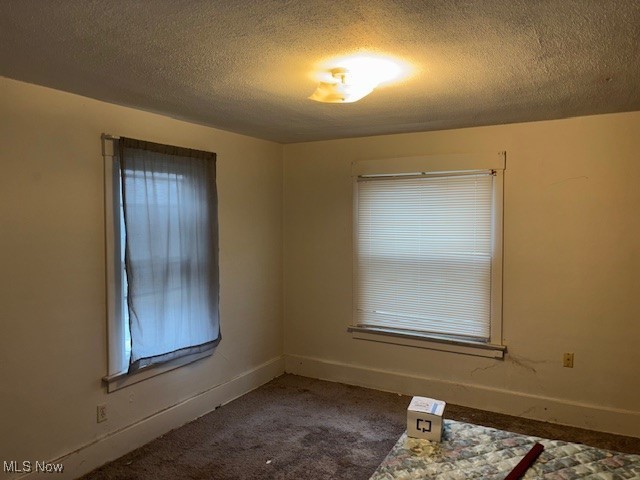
point(525, 463)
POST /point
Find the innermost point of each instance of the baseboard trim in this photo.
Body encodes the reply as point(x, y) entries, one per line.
point(118, 443)
point(535, 407)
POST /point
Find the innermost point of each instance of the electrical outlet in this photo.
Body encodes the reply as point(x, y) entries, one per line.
point(567, 360)
point(101, 413)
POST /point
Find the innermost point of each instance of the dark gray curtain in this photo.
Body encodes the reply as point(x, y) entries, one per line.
point(171, 250)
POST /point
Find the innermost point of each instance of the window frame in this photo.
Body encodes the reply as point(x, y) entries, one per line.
point(438, 164)
point(117, 378)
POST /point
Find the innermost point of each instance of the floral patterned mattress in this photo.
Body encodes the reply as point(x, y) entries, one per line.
point(471, 451)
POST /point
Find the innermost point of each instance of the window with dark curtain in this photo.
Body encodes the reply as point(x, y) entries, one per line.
point(169, 208)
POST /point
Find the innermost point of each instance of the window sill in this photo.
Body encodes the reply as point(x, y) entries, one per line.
point(432, 342)
point(123, 379)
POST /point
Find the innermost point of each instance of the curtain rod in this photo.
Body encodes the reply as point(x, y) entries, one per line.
point(107, 146)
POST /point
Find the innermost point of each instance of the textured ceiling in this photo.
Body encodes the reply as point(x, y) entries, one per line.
point(246, 66)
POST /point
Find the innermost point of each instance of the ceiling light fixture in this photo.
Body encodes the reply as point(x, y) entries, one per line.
point(355, 77)
point(341, 89)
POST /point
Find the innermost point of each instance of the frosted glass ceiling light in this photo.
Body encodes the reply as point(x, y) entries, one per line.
point(354, 77)
point(341, 89)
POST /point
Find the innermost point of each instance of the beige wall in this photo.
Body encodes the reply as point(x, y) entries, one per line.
point(52, 276)
point(571, 272)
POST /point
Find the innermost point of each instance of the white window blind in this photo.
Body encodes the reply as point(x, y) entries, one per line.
point(424, 254)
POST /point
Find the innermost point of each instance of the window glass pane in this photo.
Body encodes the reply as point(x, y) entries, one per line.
point(126, 331)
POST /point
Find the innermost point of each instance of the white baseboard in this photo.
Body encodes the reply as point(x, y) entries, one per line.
point(554, 410)
point(120, 442)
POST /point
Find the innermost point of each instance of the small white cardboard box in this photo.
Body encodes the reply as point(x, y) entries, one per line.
point(424, 418)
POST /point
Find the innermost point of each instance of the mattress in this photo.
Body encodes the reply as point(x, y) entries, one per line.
point(472, 451)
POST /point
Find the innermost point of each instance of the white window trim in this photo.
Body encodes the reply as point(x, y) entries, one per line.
point(123, 379)
point(114, 379)
point(429, 341)
point(439, 164)
point(112, 233)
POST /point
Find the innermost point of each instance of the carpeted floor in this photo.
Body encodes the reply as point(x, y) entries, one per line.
point(300, 428)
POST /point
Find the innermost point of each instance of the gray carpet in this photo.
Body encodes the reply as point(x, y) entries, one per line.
point(300, 428)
